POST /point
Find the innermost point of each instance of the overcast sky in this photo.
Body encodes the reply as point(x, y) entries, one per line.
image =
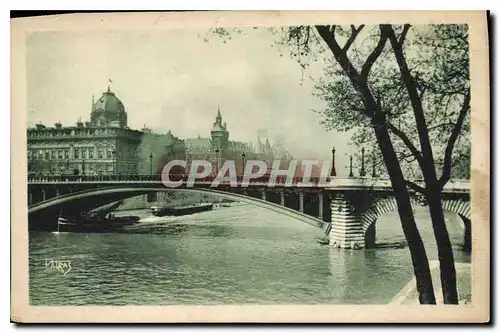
point(174, 80)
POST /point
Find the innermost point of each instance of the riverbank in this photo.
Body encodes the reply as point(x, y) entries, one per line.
point(409, 295)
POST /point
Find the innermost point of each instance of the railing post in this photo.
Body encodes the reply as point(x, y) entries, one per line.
point(282, 198)
point(301, 201)
point(264, 195)
point(320, 208)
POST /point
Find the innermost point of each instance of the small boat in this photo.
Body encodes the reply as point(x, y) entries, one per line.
point(90, 223)
point(181, 210)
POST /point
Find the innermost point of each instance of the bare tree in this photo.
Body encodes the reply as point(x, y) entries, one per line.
point(385, 96)
point(422, 97)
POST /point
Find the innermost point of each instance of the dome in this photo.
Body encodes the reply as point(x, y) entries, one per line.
point(108, 110)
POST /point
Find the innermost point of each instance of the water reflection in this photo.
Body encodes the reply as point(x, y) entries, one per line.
point(236, 255)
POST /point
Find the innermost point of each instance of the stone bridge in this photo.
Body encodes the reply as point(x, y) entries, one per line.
point(345, 208)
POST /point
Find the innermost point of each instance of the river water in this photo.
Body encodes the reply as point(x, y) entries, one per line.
point(236, 255)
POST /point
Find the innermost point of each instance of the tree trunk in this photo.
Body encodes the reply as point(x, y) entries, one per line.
point(415, 244)
point(445, 251)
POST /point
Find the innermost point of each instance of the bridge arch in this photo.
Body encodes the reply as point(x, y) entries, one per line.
point(128, 192)
point(385, 205)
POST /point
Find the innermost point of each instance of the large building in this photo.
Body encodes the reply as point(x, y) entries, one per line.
point(217, 148)
point(103, 145)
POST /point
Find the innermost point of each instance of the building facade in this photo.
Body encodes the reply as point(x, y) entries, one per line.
point(218, 148)
point(102, 146)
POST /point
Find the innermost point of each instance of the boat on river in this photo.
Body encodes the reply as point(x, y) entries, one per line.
point(94, 223)
point(181, 210)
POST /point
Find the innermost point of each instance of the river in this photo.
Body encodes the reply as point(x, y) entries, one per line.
point(236, 255)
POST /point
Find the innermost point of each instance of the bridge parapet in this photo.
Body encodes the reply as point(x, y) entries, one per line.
point(334, 183)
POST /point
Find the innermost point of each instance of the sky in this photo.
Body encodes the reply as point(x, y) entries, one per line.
point(175, 80)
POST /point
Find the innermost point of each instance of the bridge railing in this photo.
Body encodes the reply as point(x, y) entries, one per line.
point(281, 181)
point(92, 178)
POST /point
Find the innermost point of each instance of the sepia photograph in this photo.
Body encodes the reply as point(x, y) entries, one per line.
point(250, 167)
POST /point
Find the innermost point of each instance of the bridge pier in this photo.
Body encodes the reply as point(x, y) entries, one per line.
point(346, 228)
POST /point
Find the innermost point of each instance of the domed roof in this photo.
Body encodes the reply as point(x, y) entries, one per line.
point(108, 110)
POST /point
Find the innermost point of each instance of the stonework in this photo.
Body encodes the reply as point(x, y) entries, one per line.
point(104, 145)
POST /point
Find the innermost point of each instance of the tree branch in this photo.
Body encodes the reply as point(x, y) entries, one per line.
point(354, 34)
point(359, 82)
point(365, 71)
point(403, 34)
point(427, 161)
point(415, 187)
point(399, 133)
point(440, 125)
point(451, 141)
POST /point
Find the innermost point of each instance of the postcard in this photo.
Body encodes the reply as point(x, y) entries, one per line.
point(317, 167)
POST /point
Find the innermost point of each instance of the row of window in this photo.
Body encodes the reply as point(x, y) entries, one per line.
point(80, 166)
point(73, 132)
point(78, 153)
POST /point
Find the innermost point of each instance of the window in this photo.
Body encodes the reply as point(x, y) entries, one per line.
point(76, 153)
point(60, 154)
point(53, 154)
point(84, 153)
point(40, 154)
point(47, 154)
point(66, 154)
point(100, 153)
point(91, 153)
point(109, 153)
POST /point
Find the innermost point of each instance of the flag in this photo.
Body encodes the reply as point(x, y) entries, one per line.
point(110, 80)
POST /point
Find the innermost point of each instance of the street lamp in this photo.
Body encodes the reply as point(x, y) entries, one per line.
point(150, 163)
point(114, 160)
point(243, 163)
point(374, 172)
point(333, 173)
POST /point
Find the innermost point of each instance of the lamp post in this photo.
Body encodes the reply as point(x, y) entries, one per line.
point(150, 163)
point(243, 163)
point(333, 173)
point(113, 153)
point(83, 167)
